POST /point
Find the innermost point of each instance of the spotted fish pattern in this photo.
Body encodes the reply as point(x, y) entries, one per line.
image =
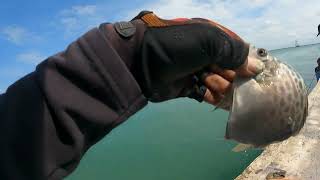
point(268, 108)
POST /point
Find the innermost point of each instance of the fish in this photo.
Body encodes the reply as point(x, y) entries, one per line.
point(267, 108)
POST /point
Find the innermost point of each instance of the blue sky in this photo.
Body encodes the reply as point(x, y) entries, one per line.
point(32, 30)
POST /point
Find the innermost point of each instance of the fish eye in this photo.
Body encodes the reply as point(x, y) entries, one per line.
point(262, 52)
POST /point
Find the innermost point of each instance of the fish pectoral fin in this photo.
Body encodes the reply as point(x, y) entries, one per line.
point(242, 147)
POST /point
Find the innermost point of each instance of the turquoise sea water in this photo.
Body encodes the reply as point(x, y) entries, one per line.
point(303, 59)
point(179, 139)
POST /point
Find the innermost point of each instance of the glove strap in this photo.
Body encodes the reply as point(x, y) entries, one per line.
point(152, 20)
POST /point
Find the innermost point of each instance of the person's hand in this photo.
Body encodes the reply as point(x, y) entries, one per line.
point(175, 55)
point(220, 80)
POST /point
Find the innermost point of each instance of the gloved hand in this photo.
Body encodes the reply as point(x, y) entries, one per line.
point(220, 80)
point(186, 57)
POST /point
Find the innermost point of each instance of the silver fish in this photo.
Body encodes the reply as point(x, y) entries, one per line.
point(268, 108)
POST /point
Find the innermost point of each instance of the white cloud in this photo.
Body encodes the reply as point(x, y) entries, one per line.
point(14, 34)
point(265, 23)
point(187, 8)
point(78, 19)
point(84, 10)
point(32, 57)
point(18, 35)
point(255, 3)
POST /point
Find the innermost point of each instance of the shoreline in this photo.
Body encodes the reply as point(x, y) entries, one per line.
point(294, 47)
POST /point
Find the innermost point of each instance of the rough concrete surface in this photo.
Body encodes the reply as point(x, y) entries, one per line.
point(296, 158)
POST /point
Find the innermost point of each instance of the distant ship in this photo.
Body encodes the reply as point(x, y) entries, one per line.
point(297, 44)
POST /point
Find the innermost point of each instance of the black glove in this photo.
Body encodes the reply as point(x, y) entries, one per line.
point(175, 53)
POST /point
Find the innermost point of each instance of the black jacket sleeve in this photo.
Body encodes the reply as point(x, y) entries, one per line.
point(51, 117)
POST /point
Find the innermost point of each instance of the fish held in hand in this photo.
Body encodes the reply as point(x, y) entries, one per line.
point(268, 108)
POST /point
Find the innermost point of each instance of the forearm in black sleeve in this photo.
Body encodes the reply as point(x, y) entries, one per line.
point(52, 116)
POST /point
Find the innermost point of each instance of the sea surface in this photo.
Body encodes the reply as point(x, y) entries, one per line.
point(179, 139)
